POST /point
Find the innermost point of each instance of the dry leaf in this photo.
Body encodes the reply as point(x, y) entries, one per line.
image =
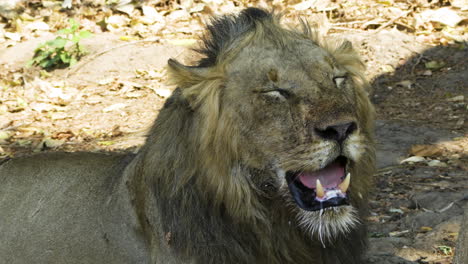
point(52, 143)
point(405, 83)
point(126, 8)
point(398, 233)
point(443, 15)
point(425, 228)
point(114, 107)
point(163, 93)
point(459, 98)
point(425, 150)
point(106, 81)
point(179, 15)
point(115, 22)
point(38, 26)
point(197, 8)
point(12, 36)
point(42, 107)
point(462, 4)
point(413, 159)
point(151, 16)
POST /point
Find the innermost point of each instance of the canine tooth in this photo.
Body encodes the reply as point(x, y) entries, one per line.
point(345, 184)
point(319, 189)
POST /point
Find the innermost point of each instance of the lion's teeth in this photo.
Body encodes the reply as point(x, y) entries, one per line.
point(345, 184)
point(319, 189)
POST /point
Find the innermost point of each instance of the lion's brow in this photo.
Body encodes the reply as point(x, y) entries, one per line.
point(224, 30)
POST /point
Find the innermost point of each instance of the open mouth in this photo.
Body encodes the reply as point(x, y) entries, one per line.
point(316, 190)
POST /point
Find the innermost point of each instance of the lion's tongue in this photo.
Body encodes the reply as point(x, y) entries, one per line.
point(329, 177)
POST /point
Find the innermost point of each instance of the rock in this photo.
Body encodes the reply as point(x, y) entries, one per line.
point(437, 163)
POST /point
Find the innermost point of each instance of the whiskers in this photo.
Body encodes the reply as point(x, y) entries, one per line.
point(327, 224)
point(307, 157)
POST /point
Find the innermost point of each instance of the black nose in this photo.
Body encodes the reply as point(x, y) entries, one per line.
point(337, 132)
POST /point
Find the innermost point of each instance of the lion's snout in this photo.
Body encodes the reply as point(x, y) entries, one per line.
point(338, 131)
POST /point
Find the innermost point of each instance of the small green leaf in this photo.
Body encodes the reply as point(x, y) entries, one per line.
point(30, 63)
point(434, 65)
point(58, 42)
point(106, 143)
point(73, 61)
point(75, 39)
point(65, 57)
point(73, 25)
point(85, 34)
point(64, 31)
point(44, 64)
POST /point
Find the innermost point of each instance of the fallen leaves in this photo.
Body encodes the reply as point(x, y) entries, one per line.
point(114, 107)
point(446, 148)
point(425, 150)
point(445, 16)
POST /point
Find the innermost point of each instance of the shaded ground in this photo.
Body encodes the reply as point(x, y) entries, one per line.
point(107, 102)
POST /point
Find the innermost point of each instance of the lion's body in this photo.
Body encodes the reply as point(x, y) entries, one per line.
point(67, 208)
point(210, 184)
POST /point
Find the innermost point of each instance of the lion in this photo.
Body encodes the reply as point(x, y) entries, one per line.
point(263, 154)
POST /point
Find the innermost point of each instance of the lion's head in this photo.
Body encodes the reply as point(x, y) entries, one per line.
point(279, 109)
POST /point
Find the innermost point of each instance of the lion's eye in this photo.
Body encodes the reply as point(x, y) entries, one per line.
point(339, 80)
point(280, 93)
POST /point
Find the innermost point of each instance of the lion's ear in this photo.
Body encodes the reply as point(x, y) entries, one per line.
point(187, 76)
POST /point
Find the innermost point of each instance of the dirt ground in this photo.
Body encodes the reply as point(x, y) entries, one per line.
point(110, 98)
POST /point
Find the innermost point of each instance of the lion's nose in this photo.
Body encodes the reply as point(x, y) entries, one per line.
point(338, 132)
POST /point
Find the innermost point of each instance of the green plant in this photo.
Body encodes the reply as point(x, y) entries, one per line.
point(446, 250)
point(63, 51)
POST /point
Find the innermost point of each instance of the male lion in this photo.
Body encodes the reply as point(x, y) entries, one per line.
point(263, 154)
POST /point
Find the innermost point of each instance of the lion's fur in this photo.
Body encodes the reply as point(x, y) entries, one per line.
point(200, 189)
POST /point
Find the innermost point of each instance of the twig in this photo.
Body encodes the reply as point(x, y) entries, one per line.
point(446, 207)
point(349, 29)
point(391, 21)
point(418, 60)
point(94, 56)
point(12, 127)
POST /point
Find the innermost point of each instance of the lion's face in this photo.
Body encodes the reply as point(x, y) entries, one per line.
point(273, 100)
point(299, 111)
